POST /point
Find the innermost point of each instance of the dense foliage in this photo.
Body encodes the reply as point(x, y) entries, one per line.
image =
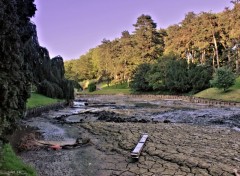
point(171, 74)
point(223, 79)
point(140, 79)
point(16, 34)
point(92, 87)
point(24, 63)
point(206, 40)
point(117, 60)
point(49, 78)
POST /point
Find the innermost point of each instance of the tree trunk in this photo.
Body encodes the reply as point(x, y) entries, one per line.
point(229, 58)
point(216, 50)
point(203, 59)
point(237, 62)
point(213, 60)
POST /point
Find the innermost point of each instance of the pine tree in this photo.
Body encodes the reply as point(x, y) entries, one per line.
point(149, 43)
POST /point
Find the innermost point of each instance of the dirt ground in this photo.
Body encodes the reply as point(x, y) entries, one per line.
point(183, 149)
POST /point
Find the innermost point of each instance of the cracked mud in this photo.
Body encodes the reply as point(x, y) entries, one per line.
point(199, 140)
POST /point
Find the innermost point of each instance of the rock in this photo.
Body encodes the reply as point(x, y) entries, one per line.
point(167, 121)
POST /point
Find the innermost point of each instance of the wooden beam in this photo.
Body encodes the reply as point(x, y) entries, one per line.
point(137, 150)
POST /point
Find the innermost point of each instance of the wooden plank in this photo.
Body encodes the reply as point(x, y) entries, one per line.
point(144, 138)
point(137, 150)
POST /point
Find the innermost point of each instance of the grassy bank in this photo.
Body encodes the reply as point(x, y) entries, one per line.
point(233, 94)
point(40, 100)
point(111, 89)
point(12, 165)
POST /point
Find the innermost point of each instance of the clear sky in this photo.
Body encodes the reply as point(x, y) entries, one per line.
point(71, 27)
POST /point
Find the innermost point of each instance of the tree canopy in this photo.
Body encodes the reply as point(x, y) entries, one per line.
point(205, 40)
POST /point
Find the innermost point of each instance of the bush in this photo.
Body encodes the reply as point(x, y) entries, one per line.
point(50, 89)
point(176, 76)
point(140, 80)
point(46, 88)
point(92, 87)
point(156, 75)
point(223, 79)
point(199, 76)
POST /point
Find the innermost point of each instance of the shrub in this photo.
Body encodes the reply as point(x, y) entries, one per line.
point(92, 87)
point(46, 89)
point(140, 80)
point(199, 76)
point(176, 76)
point(223, 79)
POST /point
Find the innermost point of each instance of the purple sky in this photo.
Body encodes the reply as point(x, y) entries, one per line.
point(71, 27)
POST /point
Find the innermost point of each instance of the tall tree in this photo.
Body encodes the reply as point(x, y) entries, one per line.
point(105, 62)
point(187, 34)
point(212, 30)
point(126, 60)
point(172, 40)
point(235, 33)
point(149, 43)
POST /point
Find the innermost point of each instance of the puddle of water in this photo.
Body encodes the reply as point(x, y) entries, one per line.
point(77, 104)
point(48, 130)
point(215, 116)
point(67, 141)
point(236, 128)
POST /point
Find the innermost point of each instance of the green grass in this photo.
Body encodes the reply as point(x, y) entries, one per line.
point(233, 94)
point(237, 84)
point(37, 100)
point(114, 86)
point(111, 89)
point(12, 165)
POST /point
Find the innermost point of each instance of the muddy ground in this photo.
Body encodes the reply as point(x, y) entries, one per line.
point(184, 138)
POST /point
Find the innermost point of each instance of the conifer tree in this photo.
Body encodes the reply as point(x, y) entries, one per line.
point(149, 43)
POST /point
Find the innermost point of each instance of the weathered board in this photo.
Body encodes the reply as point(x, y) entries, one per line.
point(137, 150)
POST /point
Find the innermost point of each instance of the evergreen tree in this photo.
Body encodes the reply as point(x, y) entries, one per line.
point(126, 58)
point(156, 74)
point(149, 43)
point(223, 79)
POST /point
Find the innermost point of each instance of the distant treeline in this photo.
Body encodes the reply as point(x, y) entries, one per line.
point(207, 39)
